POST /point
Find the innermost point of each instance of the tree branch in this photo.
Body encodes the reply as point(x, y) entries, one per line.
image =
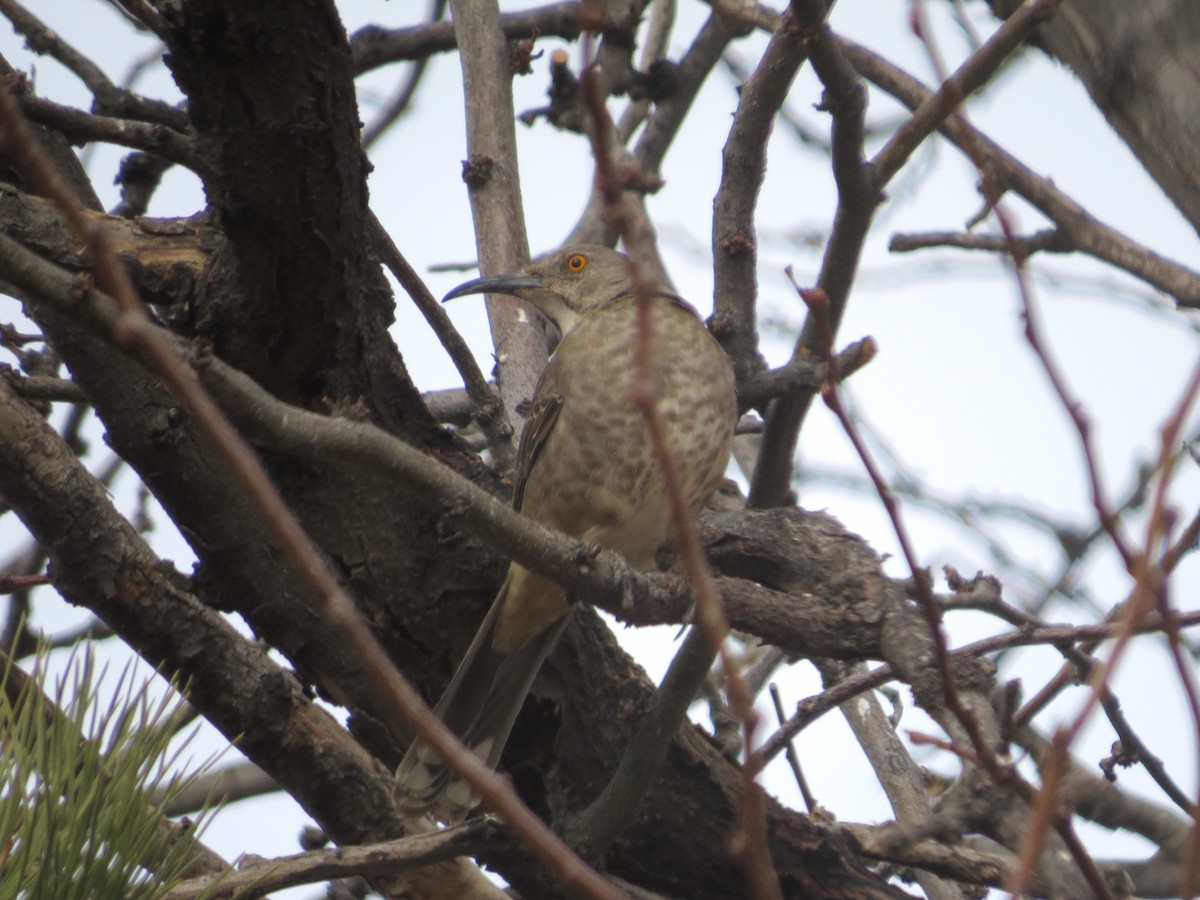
point(1080, 227)
point(387, 858)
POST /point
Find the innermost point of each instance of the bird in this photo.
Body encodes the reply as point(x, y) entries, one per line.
point(586, 466)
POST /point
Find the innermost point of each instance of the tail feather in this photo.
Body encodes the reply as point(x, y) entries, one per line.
point(480, 706)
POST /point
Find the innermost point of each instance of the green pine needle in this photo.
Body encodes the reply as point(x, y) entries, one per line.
point(82, 786)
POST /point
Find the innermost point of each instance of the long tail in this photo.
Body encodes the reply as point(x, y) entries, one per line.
point(480, 706)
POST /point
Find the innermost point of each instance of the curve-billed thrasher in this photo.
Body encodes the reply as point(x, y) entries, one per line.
point(586, 466)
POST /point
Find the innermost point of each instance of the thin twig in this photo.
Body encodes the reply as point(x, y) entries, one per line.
point(486, 406)
point(1082, 664)
point(752, 841)
point(789, 752)
point(1085, 231)
point(812, 708)
point(1043, 813)
point(1049, 240)
point(46, 387)
point(978, 68)
point(400, 101)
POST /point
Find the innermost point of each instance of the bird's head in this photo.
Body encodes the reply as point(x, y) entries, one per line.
point(564, 286)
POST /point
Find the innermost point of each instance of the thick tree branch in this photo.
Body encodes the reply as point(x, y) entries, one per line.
point(734, 244)
point(80, 127)
point(858, 196)
point(493, 184)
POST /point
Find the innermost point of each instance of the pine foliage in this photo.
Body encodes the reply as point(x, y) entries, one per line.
point(83, 780)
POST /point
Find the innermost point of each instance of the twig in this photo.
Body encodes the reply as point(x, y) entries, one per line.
point(1156, 546)
point(751, 843)
point(45, 387)
point(662, 125)
point(802, 372)
point(1043, 812)
point(793, 760)
point(43, 40)
point(10, 584)
point(812, 708)
point(374, 47)
point(654, 43)
point(805, 134)
point(494, 190)
point(152, 137)
point(817, 305)
point(143, 14)
point(859, 188)
point(743, 168)
point(978, 68)
point(1050, 240)
point(1079, 661)
point(958, 863)
point(109, 98)
point(218, 787)
point(895, 770)
point(487, 409)
point(397, 105)
point(668, 114)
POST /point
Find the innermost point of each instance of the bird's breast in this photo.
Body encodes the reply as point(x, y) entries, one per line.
point(599, 475)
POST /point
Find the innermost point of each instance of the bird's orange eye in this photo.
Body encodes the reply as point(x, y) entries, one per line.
point(577, 263)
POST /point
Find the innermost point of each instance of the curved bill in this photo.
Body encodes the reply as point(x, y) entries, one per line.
point(497, 284)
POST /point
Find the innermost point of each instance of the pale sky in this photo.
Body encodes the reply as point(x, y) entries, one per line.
point(955, 390)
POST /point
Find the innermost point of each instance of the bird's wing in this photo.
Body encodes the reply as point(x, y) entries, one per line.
point(681, 303)
point(538, 427)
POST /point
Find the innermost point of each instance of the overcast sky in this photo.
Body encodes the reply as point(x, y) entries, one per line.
point(955, 391)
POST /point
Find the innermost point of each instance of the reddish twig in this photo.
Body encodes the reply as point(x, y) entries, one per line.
point(10, 584)
point(1079, 665)
point(985, 756)
point(751, 843)
point(1043, 811)
point(1158, 535)
point(920, 739)
point(818, 306)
